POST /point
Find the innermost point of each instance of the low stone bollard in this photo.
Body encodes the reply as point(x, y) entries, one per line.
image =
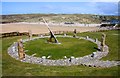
point(96, 40)
point(71, 59)
point(43, 59)
point(87, 37)
point(41, 35)
point(48, 56)
point(65, 35)
point(65, 57)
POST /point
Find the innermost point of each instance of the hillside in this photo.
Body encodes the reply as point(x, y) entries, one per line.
point(56, 18)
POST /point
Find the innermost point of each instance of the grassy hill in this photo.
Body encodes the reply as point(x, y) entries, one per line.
point(56, 18)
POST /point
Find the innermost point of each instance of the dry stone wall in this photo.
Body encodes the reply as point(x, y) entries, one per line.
point(91, 60)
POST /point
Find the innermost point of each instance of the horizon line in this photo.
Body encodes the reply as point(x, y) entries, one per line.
point(60, 13)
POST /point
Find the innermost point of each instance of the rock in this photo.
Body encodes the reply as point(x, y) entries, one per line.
point(48, 56)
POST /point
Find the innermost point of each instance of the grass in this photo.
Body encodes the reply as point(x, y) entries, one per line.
point(68, 47)
point(12, 67)
point(111, 40)
point(0, 57)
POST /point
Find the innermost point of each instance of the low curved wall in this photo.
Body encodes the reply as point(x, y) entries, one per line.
point(85, 60)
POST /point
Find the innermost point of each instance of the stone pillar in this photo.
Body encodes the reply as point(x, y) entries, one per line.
point(21, 49)
point(30, 34)
point(103, 42)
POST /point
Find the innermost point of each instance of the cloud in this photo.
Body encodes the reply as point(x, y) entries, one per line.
point(105, 8)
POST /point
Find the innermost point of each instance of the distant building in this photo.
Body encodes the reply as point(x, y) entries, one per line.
point(105, 22)
point(109, 23)
point(115, 21)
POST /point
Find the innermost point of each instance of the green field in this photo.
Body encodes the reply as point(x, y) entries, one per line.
point(12, 67)
point(68, 47)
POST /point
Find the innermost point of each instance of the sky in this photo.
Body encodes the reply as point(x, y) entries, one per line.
point(102, 8)
point(60, 0)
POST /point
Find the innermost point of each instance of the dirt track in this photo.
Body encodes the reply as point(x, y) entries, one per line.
point(38, 28)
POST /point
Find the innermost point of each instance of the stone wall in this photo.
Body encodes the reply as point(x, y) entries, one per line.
point(91, 60)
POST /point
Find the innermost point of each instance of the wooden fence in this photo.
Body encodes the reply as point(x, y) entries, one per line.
point(10, 34)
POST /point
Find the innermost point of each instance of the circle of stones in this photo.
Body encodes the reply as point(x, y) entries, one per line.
point(85, 60)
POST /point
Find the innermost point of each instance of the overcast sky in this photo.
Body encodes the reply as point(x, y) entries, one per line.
point(103, 8)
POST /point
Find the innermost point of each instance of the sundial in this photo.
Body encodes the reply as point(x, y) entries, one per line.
point(52, 36)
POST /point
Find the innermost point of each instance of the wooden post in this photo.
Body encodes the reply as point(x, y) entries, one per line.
point(21, 49)
point(30, 34)
point(75, 32)
point(103, 42)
